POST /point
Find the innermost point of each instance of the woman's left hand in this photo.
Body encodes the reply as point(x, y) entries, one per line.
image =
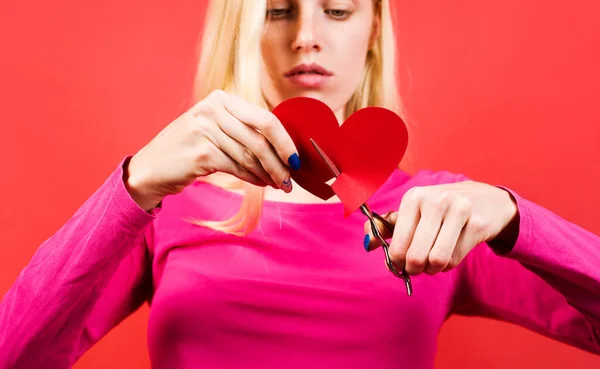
point(437, 226)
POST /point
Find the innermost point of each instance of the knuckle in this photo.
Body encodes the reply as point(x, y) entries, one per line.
point(204, 111)
point(282, 174)
point(248, 157)
point(199, 128)
point(415, 194)
point(438, 261)
point(433, 209)
point(204, 152)
point(439, 204)
point(217, 95)
point(270, 122)
point(392, 217)
point(262, 145)
point(397, 254)
point(452, 263)
point(463, 206)
point(477, 224)
point(415, 260)
point(444, 200)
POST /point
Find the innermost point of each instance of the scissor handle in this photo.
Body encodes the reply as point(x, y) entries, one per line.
point(392, 268)
point(385, 246)
point(389, 226)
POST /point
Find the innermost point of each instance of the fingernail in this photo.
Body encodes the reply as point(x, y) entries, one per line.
point(294, 161)
point(287, 185)
point(366, 242)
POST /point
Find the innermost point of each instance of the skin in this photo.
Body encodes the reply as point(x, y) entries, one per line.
point(435, 226)
point(333, 33)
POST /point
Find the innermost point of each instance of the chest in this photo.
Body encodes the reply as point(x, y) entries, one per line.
point(302, 279)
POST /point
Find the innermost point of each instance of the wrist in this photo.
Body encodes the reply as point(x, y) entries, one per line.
point(139, 188)
point(506, 239)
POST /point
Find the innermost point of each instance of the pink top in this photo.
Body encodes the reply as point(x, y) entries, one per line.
point(300, 292)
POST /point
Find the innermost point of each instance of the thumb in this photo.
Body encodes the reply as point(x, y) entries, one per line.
point(386, 231)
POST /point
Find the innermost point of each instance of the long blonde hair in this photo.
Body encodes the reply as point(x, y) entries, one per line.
point(230, 59)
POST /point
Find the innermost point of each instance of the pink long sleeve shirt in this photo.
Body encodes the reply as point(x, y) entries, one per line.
point(299, 292)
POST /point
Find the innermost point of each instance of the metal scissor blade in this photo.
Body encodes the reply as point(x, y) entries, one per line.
point(336, 172)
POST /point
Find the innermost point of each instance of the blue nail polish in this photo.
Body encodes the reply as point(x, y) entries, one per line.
point(366, 242)
point(294, 161)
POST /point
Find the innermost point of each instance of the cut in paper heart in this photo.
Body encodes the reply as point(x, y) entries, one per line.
point(367, 148)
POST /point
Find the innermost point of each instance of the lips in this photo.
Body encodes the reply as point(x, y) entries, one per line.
point(313, 68)
point(309, 76)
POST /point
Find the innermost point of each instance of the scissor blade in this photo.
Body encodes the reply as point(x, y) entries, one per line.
point(336, 172)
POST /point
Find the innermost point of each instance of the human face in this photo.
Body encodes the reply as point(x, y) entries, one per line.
point(316, 48)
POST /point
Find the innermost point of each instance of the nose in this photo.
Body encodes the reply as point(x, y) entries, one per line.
point(307, 34)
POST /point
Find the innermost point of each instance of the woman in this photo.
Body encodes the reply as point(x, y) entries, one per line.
point(273, 277)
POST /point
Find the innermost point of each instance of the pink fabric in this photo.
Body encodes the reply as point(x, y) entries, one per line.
point(300, 292)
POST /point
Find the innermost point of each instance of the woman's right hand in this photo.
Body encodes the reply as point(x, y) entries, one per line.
point(222, 133)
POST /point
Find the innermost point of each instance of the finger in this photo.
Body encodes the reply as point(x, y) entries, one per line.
point(269, 126)
point(370, 242)
point(467, 240)
point(225, 164)
point(424, 238)
point(406, 221)
point(242, 156)
point(447, 239)
point(255, 149)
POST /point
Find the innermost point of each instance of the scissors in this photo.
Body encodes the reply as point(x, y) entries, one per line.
point(364, 208)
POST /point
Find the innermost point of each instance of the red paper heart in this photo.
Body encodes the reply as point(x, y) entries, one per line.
point(367, 148)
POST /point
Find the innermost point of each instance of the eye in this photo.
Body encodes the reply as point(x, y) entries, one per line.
point(338, 13)
point(278, 13)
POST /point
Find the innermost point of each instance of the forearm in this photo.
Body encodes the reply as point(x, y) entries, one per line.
point(53, 295)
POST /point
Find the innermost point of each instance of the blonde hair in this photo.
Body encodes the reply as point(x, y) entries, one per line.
point(230, 59)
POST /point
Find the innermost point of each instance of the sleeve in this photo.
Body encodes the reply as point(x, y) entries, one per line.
point(81, 282)
point(547, 281)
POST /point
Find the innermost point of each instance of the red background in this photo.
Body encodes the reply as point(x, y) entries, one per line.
point(503, 91)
